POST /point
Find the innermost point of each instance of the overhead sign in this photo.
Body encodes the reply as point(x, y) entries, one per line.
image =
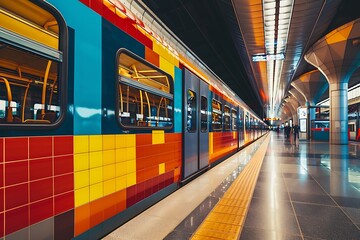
point(268, 57)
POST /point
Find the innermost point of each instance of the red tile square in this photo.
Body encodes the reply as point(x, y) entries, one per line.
point(143, 139)
point(41, 210)
point(40, 147)
point(41, 189)
point(63, 183)
point(1, 200)
point(140, 191)
point(63, 164)
point(131, 196)
point(40, 168)
point(2, 230)
point(1, 175)
point(63, 145)
point(109, 205)
point(120, 202)
point(1, 150)
point(96, 212)
point(16, 196)
point(16, 219)
point(16, 149)
point(16, 172)
point(64, 202)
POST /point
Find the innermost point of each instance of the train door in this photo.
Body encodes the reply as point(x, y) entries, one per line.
point(352, 130)
point(241, 127)
point(196, 121)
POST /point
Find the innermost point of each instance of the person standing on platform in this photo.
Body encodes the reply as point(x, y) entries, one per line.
point(296, 133)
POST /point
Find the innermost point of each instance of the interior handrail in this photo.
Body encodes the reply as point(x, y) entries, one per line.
point(9, 116)
point(24, 103)
point(43, 98)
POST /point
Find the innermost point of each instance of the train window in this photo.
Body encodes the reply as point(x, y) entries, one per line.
point(247, 123)
point(191, 111)
point(234, 118)
point(351, 127)
point(32, 71)
point(216, 116)
point(241, 120)
point(226, 118)
point(204, 114)
point(145, 93)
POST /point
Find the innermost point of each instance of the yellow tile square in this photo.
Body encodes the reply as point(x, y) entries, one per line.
point(130, 166)
point(81, 196)
point(81, 161)
point(130, 140)
point(109, 186)
point(108, 142)
point(81, 179)
point(96, 175)
point(96, 191)
point(109, 172)
point(158, 137)
point(167, 66)
point(81, 144)
point(120, 183)
point(130, 179)
point(161, 168)
point(120, 140)
point(96, 159)
point(130, 153)
point(95, 143)
point(121, 169)
point(120, 154)
point(109, 157)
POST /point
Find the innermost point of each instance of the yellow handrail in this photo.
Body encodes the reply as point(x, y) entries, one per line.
point(148, 102)
point(24, 102)
point(9, 117)
point(43, 98)
point(121, 99)
point(52, 91)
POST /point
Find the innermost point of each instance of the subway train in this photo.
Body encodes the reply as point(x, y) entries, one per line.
point(354, 122)
point(100, 118)
point(321, 124)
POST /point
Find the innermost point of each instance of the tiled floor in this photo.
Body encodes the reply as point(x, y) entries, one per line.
point(306, 191)
point(310, 190)
point(179, 215)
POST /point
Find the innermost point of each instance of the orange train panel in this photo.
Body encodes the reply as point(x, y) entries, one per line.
point(224, 143)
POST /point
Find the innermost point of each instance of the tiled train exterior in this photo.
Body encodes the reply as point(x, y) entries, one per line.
point(90, 176)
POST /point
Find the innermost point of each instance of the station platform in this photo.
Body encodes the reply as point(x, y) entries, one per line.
point(272, 189)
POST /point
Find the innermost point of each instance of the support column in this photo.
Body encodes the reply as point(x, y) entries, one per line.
point(339, 113)
point(337, 56)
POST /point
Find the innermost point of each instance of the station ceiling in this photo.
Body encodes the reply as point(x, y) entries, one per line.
point(227, 34)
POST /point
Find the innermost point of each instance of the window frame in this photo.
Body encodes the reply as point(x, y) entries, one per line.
point(140, 86)
point(227, 127)
point(232, 111)
point(62, 53)
point(193, 113)
point(206, 114)
point(221, 114)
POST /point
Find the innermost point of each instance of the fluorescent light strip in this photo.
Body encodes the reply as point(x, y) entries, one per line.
point(275, 42)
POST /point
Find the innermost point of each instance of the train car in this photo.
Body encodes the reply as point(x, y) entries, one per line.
point(100, 118)
point(353, 122)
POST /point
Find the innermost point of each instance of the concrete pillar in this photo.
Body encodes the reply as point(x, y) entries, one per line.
point(337, 56)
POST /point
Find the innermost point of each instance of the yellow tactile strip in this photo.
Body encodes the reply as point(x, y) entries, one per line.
point(227, 218)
